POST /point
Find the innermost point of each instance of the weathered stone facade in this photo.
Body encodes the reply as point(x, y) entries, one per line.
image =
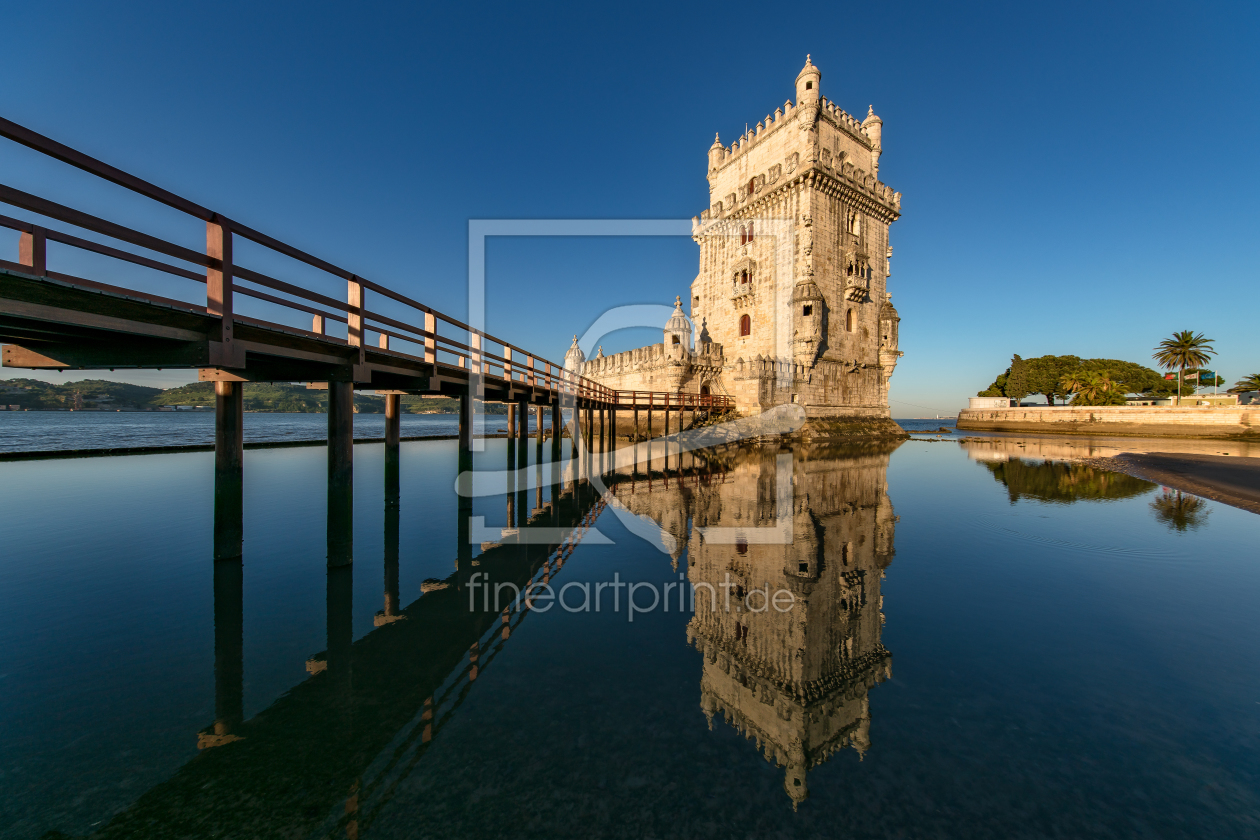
point(792, 295)
point(794, 681)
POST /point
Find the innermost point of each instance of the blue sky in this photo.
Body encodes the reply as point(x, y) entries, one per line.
point(1077, 178)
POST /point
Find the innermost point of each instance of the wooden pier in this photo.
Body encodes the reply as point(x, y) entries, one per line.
point(393, 344)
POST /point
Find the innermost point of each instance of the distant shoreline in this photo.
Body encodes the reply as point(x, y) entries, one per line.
point(45, 454)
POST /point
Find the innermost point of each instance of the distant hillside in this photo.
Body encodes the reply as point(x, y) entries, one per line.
point(86, 393)
point(259, 396)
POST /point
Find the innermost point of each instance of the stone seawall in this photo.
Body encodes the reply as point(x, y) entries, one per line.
point(1232, 422)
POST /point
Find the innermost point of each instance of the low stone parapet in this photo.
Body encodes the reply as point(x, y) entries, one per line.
point(1225, 422)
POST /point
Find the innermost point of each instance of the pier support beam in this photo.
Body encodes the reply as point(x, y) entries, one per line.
point(393, 432)
point(511, 414)
point(340, 473)
point(229, 461)
point(229, 668)
point(557, 426)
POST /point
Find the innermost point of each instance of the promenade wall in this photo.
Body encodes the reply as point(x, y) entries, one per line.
point(1222, 422)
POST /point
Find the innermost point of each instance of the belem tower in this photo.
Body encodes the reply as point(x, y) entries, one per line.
point(791, 299)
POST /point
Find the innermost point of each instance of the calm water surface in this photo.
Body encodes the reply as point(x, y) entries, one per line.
point(25, 431)
point(977, 646)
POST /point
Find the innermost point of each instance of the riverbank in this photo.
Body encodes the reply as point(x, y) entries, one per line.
point(1230, 480)
point(1212, 422)
point(1223, 471)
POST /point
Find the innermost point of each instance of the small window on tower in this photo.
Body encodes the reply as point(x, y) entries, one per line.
point(750, 231)
point(752, 188)
point(807, 310)
point(676, 341)
point(809, 86)
point(848, 321)
point(745, 326)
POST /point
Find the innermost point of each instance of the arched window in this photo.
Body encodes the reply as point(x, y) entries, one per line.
point(848, 320)
point(704, 390)
point(750, 231)
point(743, 235)
point(745, 326)
point(752, 188)
point(743, 278)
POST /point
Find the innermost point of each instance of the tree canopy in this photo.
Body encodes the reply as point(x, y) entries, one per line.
point(1050, 376)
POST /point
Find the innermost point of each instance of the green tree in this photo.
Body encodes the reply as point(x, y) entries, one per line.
point(1045, 375)
point(1183, 350)
point(1091, 387)
point(1064, 483)
point(1017, 381)
point(1250, 382)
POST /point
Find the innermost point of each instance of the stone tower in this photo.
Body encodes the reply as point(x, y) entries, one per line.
point(792, 290)
point(794, 260)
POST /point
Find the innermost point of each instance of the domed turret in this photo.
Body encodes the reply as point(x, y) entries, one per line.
point(809, 308)
point(678, 333)
point(575, 358)
point(889, 324)
point(874, 128)
point(807, 82)
point(716, 152)
point(795, 779)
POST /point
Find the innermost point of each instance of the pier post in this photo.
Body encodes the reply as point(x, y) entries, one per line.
point(636, 415)
point(229, 669)
point(393, 432)
point(229, 460)
point(340, 473)
point(557, 426)
point(340, 630)
point(522, 425)
point(651, 400)
point(465, 422)
point(511, 407)
point(667, 419)
point(392, 610)
point(510, 487)
point(464, 506)
point(538, 421)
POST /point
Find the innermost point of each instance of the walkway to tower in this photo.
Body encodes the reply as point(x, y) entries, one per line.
point(393, 344)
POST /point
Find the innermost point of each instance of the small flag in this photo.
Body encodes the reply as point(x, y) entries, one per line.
point(1194, 375)
point(1170, 376)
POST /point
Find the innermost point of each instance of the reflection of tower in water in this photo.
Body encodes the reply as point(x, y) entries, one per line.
point(793, 681)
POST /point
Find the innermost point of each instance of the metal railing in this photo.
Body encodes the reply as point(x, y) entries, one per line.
point(474, 352)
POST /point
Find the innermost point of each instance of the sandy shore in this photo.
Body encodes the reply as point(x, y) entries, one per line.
point(1222, 478)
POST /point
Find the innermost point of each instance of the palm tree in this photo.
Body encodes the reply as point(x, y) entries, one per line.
point(1178, 512)
point(1089, 385)
point(1183, 350)
point(1250, 382)
point(1072, 383)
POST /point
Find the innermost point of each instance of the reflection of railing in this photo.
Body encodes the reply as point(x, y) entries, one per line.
point(397, 761)
point(419, 333)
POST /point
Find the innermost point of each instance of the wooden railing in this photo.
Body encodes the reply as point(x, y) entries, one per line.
point(420, 334)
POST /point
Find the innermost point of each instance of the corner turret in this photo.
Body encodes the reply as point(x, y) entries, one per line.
point(874, 128)
point(678, 333)
point(809, 308)
point(807, 82)
point(574, 359)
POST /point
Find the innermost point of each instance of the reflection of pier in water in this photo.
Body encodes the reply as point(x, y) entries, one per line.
point(795, 681)
point(327, 755)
